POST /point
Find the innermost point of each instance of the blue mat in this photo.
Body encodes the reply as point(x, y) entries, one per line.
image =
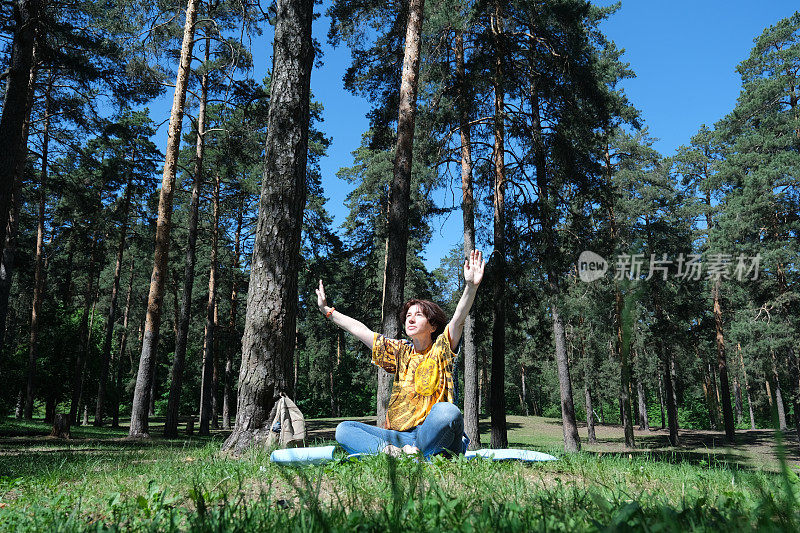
point(323, 454)
point(510, 454)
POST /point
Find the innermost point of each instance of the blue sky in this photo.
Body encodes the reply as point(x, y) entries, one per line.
point(684, 54)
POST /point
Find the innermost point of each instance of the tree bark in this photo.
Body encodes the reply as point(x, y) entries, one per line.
point(206, 386)
point(139, 427)
point(587, 389)
point(623, 349)
point(572, 441)
point(85, 330)
point(61, 426)
point(471, 393)
point(497, 405)
point(269, 335)
point(25, 14)
point(38, 283)
point(400, 197)
point(746, 387)
point(708, 392)
point(722, 367)
point(737, 395)
point(123, 343)
point(112, 311)
point(644, 420)
point(176, 371)
point(229, 352)
point(591, 436)
point(151, 406)
point(672, 406)
point(523, 396)
point(10, 247)
point(215, 374)
point(779, 405)
point(667, 359)
point(50, 408)
point(661, 399)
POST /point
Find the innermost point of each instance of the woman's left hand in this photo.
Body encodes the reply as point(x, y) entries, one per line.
point(474, 267)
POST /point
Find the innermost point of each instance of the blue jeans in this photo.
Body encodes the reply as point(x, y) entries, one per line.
point(440, 432)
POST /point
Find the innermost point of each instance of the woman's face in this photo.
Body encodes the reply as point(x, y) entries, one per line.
point(417, 325)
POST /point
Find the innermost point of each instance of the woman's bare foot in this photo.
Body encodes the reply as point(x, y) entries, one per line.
point(393, 450)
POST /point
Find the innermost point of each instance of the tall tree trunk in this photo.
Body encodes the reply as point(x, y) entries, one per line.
point(25, 14)
point(85, 336)
point(708, 392)
point(619, 350)
point(151, 406)
point(667, 359)
point(746, 387)
point(112, 311)
point(139, 427)
point(176, 372)
point(215, 376)
point(712, 370)
point(19, 410)
point(38, 283)
point(233, 341)
point(269, 335)
point(671, 400)
point(572, 440)
point(497, 405)
point(623, 349)
point(50, 408)
point(399, 197)
point(523, 398)
point(722, 366)
point(769, 394)
point(123, 343)
point(737, 395)
point(644, 420)
point(587, 389)
point(779, 405)
point(661, 398)
point(471, 393)
point(484, 391)
point(206, 386)
point(10, 247)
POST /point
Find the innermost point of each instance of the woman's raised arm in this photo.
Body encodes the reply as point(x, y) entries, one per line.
point(350, 325)
point(473, 275)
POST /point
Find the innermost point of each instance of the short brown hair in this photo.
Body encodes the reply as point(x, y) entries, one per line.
point(431, 311)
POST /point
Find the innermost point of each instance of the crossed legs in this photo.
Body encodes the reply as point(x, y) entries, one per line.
point(440, 432)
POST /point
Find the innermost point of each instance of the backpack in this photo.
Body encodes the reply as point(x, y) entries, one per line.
point(289, 426)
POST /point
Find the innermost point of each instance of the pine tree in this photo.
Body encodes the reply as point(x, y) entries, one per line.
point(269, 336)
point(762, 136)
point(144, 381)
point(26, 16)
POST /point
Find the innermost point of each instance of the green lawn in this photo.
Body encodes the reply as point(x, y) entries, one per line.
point(100, 481)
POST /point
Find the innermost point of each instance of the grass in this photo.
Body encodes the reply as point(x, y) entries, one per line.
point(98, 481)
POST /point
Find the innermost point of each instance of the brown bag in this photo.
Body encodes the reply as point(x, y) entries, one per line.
point(288, 427)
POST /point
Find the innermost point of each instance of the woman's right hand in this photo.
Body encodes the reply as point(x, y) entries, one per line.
point(351, 325)
point(322, 302)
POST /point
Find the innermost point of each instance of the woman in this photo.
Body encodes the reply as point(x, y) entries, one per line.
point(421, 416)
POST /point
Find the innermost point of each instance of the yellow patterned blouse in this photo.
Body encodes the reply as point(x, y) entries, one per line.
point(420, 379)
